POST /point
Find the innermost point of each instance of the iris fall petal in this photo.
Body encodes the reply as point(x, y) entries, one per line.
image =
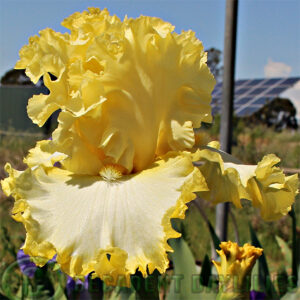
point(97, 224)
point(264, 184)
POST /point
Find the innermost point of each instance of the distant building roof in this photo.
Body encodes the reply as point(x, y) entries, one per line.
point(252, 94)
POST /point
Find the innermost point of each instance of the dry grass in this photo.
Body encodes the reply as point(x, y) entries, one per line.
point(12, 150)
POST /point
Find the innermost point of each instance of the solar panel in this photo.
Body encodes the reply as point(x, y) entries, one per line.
point(290, 80)
point(262, 101)
point(252, 94)
point(272, 81)
point(257, 91)
point(241, 91)
point(276, 90)
point(243, 100)
point(255, 82)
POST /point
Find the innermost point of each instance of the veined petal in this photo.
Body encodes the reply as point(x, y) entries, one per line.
point(265, 185)
point(94, 224)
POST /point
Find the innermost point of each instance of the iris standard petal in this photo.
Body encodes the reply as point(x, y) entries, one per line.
point(143, 85)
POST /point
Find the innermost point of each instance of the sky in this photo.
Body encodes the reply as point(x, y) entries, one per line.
point(268, 36)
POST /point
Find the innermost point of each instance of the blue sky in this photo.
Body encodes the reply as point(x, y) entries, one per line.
point(268, 41)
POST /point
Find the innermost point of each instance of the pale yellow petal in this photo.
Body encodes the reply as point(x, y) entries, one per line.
point(44, 53)
point(156, 85)
point(158, 88)
point(76, 138)
point(270, 190)
point(265, 185)
point(40, 107)
point(224, 184)
point(109, 227)
point(88, 24)
point(43, 154)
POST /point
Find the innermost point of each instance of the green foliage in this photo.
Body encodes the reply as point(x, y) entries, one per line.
point(206, 273)
point(264, 274)
point(145, 288)
point(184, 269)
point(186, 283)
point(286, 251)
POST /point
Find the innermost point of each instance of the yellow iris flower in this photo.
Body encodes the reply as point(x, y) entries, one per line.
point(235, 268)
point(130, 94)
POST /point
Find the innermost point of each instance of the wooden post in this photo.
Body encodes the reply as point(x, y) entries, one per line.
point(227, 103)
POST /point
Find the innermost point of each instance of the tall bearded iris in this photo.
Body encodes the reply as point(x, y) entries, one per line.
point(130, 93)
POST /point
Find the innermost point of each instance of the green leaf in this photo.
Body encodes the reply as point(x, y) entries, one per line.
point(59, 294)
point(285, 250)
point(185, 284)
point(5, 282)
point(184, 269)
point(205, 274)
point(214, 237)
point(282, 279)
point(25, 284)
point(264, 274)
point(145, 288)
point(122, 293)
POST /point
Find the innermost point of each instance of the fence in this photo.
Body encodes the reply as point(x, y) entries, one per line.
point(13, 112)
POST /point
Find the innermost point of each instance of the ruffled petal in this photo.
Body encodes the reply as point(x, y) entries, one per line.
point(224, 184)
point(270, 190)
point(235, 266)
point(156, 85)
point(46, 53)
point(265, 185)
point(159, 84)
point(111, 227)
point(88, 24)
point(43, 154)
point(40, 107)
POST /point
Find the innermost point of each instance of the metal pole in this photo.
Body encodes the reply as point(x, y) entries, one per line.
point(227, 103)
